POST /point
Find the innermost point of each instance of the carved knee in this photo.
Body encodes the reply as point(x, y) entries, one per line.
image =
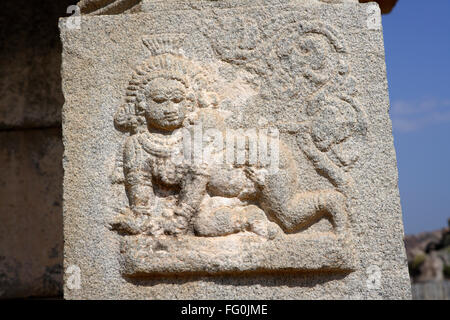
point(334, 203)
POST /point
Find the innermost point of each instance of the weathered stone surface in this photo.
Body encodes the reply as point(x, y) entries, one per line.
point(100, 7)
point(386, 6)
point(31, 240)
point(155, 203)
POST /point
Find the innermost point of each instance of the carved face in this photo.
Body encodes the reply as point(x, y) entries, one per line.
point(166, 104)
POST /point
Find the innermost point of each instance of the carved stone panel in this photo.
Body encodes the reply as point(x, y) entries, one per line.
point(209, 152)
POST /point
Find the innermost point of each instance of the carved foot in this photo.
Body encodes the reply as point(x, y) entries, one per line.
point(258, 223)
point(176, 225)
point(134, 222)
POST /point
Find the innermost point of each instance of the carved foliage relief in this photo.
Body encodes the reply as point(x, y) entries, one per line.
point(221, 212)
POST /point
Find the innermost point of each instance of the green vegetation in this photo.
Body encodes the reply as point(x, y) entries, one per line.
point(447, 271)
point(414, 266)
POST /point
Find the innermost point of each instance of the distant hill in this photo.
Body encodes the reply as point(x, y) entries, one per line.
point(429, 255)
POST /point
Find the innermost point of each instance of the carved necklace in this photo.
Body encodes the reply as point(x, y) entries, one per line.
point(161, 151)
point(160, 147)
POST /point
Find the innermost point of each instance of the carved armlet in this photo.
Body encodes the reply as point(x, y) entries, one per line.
point(139, 177)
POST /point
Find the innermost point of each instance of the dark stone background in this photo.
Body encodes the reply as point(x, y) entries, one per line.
point(31, 234)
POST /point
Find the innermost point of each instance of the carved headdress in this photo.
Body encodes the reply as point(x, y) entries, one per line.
point(166, 61)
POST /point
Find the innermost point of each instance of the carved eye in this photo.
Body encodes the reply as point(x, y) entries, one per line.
point(177, 99)
point(159, 99)
point(307, 47)
point(304, 49)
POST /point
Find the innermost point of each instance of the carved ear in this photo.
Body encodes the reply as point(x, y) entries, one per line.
point(191, 119)
point(125, 119)
point(207, 100)
point(140, 104)
point(190, 96)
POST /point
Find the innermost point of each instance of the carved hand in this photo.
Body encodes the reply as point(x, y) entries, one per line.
point(200, 170)
point(258, 176)
point(139, 195)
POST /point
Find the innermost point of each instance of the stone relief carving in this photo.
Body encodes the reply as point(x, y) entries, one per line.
point(166, 94)
point(180, 209)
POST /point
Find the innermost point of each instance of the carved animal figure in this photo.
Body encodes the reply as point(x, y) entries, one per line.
point(166, 96)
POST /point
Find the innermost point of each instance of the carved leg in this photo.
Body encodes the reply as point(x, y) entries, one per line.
point(192, 192)
point(279, 198)
point(133, 223)
point(305, 209)
point(219, 222)
point(229, 220)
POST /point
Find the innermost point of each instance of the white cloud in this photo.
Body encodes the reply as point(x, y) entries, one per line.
point(410, 116)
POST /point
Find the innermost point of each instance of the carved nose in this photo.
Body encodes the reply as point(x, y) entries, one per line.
point(170, 108)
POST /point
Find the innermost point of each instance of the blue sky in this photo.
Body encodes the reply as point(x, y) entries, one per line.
point(417, 43)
